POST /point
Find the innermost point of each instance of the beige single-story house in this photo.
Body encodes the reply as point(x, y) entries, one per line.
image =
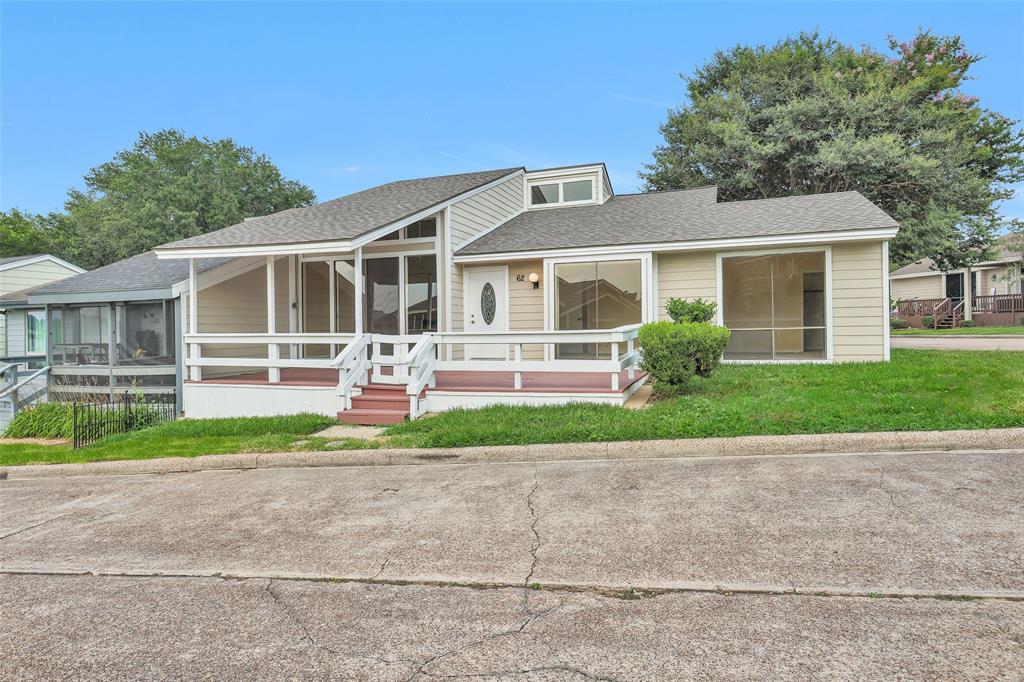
point(23, 333)
point(514, 286)
point(991, 293)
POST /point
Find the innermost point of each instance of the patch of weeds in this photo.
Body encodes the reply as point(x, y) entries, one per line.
point(632, 594)
point(536, 586)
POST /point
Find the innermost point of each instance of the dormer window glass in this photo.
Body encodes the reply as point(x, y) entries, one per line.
point(577, 190)
point(544, 194)
point(562, 192)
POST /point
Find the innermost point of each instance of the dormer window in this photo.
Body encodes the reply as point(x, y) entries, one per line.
point(561, 193)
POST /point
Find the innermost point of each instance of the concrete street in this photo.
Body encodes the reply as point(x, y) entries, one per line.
point(903, 565)
point(1004, 342)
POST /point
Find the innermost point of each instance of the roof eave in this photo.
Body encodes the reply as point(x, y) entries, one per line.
point(864, 234)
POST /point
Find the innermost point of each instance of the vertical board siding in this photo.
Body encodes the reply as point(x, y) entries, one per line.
point(928, 286)
point(858, 302)
point(16, 336)
point(686, 275)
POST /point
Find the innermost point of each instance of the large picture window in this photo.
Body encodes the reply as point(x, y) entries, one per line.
point(596, 295)
point(775, 306)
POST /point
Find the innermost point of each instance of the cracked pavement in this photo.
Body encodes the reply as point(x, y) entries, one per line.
point(805, 566)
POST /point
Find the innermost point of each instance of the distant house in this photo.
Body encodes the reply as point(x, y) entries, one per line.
point(514, 286)
point(23, 332)
point(112, 329)
point(992, 295)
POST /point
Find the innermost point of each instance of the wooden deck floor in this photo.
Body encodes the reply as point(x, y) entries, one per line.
point(535, 382)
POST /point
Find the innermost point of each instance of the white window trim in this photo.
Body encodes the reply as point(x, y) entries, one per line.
point(560, 182)
point(829, 325)
point(649, 303)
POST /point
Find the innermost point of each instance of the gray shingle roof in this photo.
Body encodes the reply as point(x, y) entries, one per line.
point(679, 216)
point(347, 217)
point(144, 271)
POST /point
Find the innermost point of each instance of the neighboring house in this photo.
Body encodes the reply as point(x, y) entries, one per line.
point(515, 286)
point(23, 333)
point(991, 295)
point(115, 328)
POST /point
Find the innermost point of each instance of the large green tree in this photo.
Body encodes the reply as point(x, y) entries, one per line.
point(812, 115)
point(22, 234)
point(168, 186)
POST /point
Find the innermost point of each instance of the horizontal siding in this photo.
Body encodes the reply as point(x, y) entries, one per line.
point(15, 333)
point(685, 275)
point(32, 275)
point(239, 305)
point(526, 304)
point(929, 286)
point(24, 277)
point(485, 210)
point(858, 302)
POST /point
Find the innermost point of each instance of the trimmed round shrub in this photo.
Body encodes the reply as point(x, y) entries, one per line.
point(897, 323)
point(968, 323)
point(697, 310)
point(674, 353)
point(928, 322)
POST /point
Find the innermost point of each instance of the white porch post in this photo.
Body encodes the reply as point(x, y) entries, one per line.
point(195, 372)
point(968, 293)
point(615, 372)
point(332, 301)
point(359, 290)
point(273, 350)
point(293, 305)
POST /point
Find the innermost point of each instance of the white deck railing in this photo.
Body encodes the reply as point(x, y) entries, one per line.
point(272, 361)
point(412, 360)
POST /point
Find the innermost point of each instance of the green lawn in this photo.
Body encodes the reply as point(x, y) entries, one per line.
point(961, 331)
point(918, 390)
point(184, 438)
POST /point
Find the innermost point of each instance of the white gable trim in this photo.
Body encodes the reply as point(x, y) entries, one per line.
point(328, 246)
point(39, 259)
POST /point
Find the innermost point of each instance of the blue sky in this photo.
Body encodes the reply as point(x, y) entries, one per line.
point(346, 96)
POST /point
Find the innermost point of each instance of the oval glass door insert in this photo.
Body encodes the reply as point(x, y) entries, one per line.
point(488, 304)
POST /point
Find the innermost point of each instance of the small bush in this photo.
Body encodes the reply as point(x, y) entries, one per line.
point(45, 420)
point(897, 323)
point(928, 322)
point(968, 323)
point(697, 310)
point(674, 353)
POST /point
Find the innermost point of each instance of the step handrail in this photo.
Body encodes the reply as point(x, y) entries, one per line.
point(13, 388)
point(353, 363)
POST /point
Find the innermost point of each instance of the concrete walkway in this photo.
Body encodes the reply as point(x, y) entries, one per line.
point(952, 342)
point(773, 567)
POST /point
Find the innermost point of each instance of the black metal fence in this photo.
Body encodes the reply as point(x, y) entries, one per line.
point(93, 421)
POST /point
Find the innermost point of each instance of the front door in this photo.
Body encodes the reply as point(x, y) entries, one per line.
point(484, 309)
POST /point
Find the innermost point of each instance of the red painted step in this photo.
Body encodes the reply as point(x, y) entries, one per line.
point(378, 404)
point(368, 417)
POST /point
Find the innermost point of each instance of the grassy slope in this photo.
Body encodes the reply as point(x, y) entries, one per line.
point(185, 438)
point(962, 331)
point(918, 390)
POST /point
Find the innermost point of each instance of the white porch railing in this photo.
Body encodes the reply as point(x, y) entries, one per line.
point(412, 360)
point(353, 368)
point(271, 361)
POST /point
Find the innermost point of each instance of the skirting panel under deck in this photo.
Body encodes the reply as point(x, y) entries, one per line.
point(208, 400)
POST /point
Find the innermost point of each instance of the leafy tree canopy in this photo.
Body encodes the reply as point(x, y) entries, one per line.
point(22, 234)
point(167, 186)
point(812, 115)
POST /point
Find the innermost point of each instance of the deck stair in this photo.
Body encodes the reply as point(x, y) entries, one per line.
point(378, 404)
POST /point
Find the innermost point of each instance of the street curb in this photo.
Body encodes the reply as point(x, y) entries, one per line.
point(742, 446)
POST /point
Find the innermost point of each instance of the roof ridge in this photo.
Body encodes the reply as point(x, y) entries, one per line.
point(665, 191)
